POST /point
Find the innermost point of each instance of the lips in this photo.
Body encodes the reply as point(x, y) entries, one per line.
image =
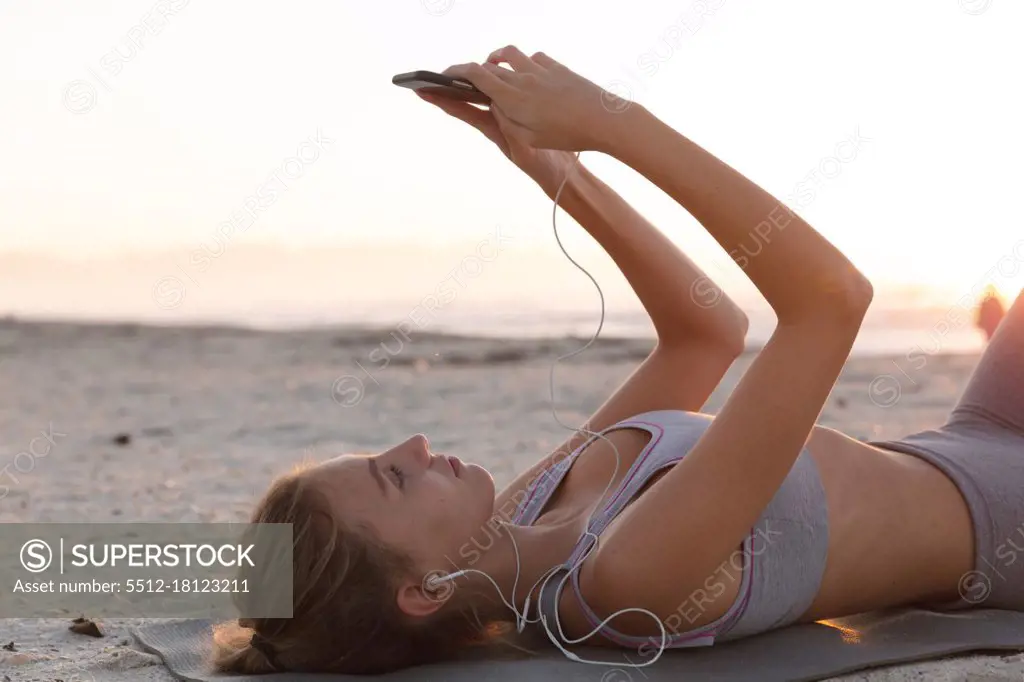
point(455, 463)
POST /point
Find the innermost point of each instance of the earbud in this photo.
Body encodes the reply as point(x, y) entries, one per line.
point(438, 580)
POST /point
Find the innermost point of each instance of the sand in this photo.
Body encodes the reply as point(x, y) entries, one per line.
point(211, 415)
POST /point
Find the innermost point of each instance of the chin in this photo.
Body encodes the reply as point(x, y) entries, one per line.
point(479, 479)
point(478, 475)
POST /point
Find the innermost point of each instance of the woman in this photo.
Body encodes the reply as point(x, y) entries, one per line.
point(707, 529)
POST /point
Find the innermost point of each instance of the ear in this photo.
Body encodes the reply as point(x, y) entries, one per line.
point(418, 599)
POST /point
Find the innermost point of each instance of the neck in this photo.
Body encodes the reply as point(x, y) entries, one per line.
point(540, 548)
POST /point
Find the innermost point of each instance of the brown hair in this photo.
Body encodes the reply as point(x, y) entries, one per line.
point(345, 615)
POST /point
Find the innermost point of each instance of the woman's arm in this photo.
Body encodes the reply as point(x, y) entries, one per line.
point(671, 288)
point(696, 345)
point(547, 105)
point(793, 266)
point(699, 512)
point(692, 518)
point(695, 341)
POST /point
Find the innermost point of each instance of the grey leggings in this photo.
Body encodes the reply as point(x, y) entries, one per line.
point(981, 448)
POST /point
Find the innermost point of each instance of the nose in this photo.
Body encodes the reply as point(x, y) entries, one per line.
point(418, 448)
point(420, 442)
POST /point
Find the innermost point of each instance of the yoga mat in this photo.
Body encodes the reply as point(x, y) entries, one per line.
point(795, 654)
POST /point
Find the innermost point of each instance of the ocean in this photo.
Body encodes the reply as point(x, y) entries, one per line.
point(886, 331)
point(895, 331)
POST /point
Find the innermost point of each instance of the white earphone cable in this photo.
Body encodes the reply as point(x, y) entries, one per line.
point(593, 435)
point(522, 619)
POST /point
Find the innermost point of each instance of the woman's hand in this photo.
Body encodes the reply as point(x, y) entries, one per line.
point(547, 167)
point(541, 103)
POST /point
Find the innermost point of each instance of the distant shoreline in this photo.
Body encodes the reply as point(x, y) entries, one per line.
point(435, 347)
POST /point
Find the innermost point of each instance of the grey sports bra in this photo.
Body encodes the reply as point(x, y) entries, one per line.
point(780, 566)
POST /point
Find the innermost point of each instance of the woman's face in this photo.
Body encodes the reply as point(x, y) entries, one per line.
point(418, 502)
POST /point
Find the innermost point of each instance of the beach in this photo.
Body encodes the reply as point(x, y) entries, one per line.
point(190, 424)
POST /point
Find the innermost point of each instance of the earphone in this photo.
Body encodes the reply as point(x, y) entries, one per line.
point(522, 619)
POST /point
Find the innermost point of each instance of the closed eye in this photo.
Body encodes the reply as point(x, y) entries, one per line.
point(399, 476)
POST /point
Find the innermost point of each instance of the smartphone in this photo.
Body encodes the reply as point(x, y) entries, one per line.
point(439, 84)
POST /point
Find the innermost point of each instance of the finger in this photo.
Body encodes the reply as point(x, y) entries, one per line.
point(508, 127)
point(498, 87)
point(515, 58)
point(462, 71)
point(456, 69)
point(463, 111)
point(543, 60)
point(507, 75)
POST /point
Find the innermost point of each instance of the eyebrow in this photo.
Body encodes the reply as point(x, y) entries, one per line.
point(375, 472)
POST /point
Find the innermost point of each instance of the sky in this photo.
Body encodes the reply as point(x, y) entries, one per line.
point(134, 130)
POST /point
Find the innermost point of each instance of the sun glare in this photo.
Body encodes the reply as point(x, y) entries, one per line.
point(1010, 278)
point(1010, 288)
point(849, 635)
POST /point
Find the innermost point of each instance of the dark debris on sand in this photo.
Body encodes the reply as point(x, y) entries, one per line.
point(84, 626)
